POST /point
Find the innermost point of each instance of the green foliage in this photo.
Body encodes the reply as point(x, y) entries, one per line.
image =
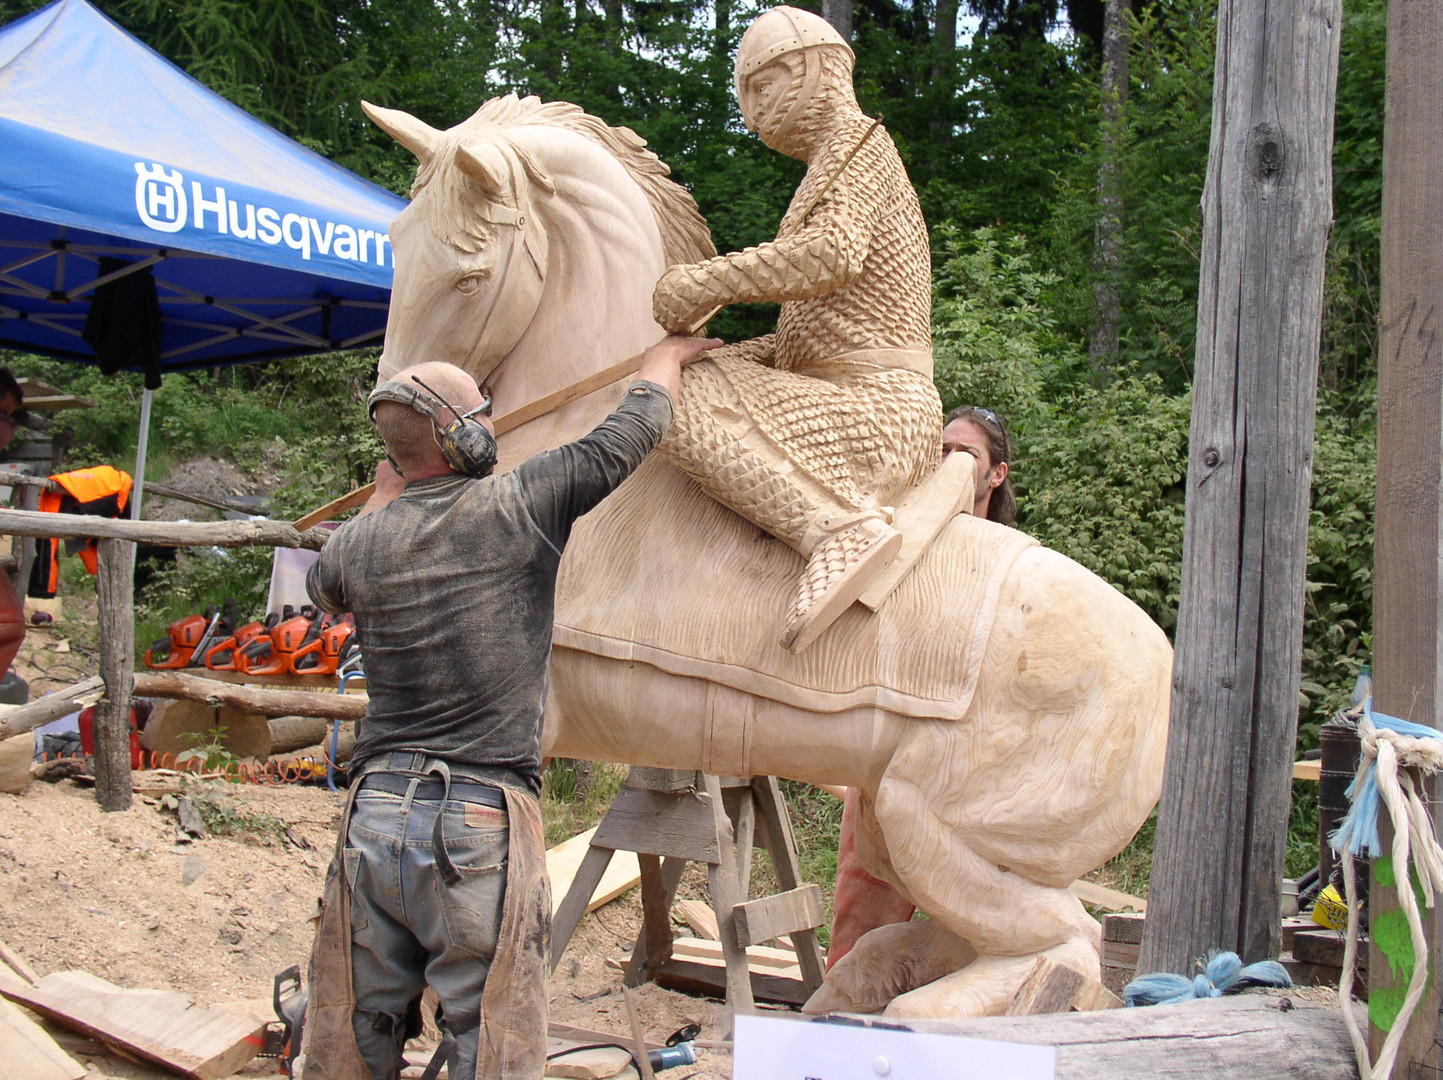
point(224, 816)
point(575, 796)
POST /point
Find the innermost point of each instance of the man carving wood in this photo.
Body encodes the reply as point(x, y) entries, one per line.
point(812, 431)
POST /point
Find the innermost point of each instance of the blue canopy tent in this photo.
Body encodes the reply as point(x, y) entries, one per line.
point(147, 224)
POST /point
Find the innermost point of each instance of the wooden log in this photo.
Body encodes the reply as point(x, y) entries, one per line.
point(166, 533)
point(1408, 544)
point(181, 725)
point(115, 591)
point(1266, 212)
point(51, 707)
point(156, 1025)
point(1245, 1036)
point(27, 1051)
point(290, 733)
point(17, 753)
point(180, 684)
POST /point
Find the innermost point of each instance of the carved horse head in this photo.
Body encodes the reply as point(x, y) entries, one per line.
point(530, 249)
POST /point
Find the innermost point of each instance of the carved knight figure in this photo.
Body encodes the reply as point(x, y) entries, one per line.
point(813, 431)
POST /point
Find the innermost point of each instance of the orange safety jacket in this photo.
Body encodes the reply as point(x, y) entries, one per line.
point(101, 492)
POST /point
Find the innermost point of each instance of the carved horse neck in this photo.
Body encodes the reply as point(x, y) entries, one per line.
point(604, 256)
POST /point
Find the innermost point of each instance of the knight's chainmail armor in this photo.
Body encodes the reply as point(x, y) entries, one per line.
point(824, 423)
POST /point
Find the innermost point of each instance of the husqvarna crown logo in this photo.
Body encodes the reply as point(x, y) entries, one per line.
point(166, 204)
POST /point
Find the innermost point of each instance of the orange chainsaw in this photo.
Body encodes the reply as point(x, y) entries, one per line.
point(189, 638)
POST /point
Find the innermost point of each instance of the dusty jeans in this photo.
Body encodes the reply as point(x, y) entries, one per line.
point(409, 927)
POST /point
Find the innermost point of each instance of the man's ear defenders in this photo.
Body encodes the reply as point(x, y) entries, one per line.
point(465, 444)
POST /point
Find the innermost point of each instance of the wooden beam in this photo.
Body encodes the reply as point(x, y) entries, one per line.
point(1408, 535)
point(156, 1025)
point(781, 913)
point(115, 591)
point(27, 1051)
point(1250, 1035)
point(168, 533)
point(1266, 212)
point(42, 711)
point(180, 684)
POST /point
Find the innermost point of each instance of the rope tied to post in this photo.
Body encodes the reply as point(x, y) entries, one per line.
point(1390, 747)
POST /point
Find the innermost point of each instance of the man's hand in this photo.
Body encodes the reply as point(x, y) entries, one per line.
point(662, 363)
point(389, 485)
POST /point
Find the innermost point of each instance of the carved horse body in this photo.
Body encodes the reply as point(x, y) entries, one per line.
point(1004, 714)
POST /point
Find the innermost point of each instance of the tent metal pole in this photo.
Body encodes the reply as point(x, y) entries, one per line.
point(139, 488)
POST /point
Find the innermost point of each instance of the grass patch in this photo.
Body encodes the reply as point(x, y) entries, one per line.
point(575, 796)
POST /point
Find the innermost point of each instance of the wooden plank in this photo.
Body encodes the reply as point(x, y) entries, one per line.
point(782, 913)
point(28, 1052)
point(563, 860)
point(760, 957)
point(1308, 770)
point(166, 1028)
point(1266, 212)
point(653, 944)
point(595, 1063)
point(1100, 896)
point(700, 917)
point(17, 964)
point(710, 980)
point(1125, 926)
point(679, 825)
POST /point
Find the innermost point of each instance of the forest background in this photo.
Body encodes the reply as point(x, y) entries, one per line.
point(1059, 149)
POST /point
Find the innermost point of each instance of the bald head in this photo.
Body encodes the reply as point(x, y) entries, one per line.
point(408, 433)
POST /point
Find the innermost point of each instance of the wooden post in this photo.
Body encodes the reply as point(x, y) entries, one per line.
point(115, 592)
point(1409, 525)
point(1266, 211)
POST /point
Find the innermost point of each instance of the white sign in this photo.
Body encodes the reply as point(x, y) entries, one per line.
point(772, 1048)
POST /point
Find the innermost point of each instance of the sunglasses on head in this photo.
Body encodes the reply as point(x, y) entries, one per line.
point(985, 414)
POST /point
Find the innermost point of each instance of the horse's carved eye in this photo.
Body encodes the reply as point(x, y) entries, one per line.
point(469, 283)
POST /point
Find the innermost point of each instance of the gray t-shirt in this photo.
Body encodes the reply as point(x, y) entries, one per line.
point(453, 589)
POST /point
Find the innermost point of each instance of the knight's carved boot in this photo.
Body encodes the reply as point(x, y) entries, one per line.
point(839, 569)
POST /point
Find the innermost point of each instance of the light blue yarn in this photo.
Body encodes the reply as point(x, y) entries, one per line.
point(1224, 974)
point(1359, 831)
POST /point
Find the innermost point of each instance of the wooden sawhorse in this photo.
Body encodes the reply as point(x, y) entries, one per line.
point(669, 817)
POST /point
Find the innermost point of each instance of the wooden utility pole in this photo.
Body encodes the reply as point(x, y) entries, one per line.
point(1407, 663)
point(1266, 212)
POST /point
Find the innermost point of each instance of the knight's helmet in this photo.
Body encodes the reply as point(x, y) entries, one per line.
point(819, 59)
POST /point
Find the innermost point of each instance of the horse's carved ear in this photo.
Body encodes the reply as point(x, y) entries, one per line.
point(534, 172)
point(489, 176)
point(415, 135)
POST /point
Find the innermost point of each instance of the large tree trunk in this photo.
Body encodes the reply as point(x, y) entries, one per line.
point(1267, 206)
point(1107, 240)
point(839, 14)
point(1409, 529)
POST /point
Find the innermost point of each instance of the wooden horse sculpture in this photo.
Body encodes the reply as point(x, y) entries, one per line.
point(1004, 713)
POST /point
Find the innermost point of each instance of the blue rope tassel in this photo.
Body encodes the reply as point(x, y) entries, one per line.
point(1224, 974)
point(1359, 831)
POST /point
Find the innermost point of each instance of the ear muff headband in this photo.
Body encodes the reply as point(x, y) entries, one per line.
point(465, 443)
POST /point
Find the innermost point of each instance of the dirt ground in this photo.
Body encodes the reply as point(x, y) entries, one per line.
point(126, 897)
point(117, 895)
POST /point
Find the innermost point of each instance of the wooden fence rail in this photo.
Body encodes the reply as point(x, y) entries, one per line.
point(115, 593)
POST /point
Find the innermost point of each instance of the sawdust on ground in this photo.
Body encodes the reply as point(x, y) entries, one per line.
point(117, 895)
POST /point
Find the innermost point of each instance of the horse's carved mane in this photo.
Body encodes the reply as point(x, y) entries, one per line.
point(684, 233)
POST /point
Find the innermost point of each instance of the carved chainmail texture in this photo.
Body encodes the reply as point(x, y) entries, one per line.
point(854, 439)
